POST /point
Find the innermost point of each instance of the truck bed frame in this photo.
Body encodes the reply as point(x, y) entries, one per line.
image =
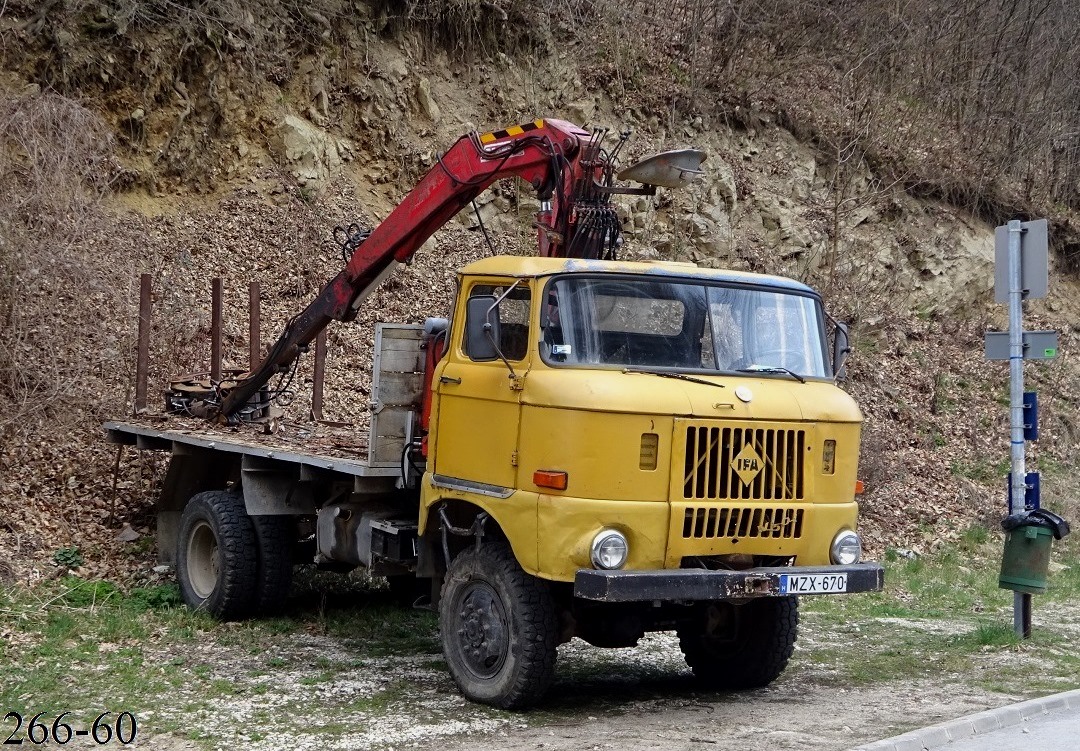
point(295, 474)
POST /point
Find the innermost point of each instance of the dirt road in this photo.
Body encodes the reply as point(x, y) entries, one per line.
point(319, 696)
point(665, 711)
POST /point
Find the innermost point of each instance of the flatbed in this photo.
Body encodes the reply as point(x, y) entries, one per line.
point(338, 448)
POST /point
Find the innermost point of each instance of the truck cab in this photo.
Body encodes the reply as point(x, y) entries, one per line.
point(693, 411)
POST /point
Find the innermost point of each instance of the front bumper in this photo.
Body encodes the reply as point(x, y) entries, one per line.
point(703, 584)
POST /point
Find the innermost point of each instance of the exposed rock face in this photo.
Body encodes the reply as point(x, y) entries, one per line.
point(767, 202)
point(771, 203)
point(310, 153)
point(428, 107)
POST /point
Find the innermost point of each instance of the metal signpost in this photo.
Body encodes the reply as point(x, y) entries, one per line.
point(1020, 252)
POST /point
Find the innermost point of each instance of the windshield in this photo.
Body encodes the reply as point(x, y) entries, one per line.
point(678, 324)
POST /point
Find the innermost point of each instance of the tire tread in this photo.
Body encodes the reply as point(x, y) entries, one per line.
point(529, 603)
point(273, 535)
point(233, 597)
point(770, 643)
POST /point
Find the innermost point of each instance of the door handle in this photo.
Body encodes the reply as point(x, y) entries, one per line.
point(448, 379)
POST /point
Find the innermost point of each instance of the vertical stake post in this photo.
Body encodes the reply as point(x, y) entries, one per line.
point(254, 343)
point(142, 357)
point(1018, 483)
point(215, 330)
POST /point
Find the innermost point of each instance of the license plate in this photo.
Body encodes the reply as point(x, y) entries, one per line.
point(812, 584)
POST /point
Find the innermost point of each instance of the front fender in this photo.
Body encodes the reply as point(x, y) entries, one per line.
point(514, 511)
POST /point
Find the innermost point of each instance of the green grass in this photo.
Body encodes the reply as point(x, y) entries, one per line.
point(973, 538)
point(84, 646)
point(67, 632)
point(944, 615)
point(981, 469)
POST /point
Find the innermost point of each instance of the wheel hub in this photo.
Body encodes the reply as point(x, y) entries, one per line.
point(203, 560)
point(482, 630)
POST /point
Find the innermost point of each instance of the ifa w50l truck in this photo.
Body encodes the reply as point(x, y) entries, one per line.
point(588, 447)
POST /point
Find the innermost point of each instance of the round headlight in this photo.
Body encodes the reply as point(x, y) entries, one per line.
point(609, 550)
point(846, 548)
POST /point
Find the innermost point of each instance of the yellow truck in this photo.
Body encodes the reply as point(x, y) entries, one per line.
point(587, 447)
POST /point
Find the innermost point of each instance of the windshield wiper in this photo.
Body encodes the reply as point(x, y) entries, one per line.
point(679, 376)
point(773, 369)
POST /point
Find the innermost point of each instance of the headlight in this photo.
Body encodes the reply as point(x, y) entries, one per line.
point(846, 548)
point(609, 550)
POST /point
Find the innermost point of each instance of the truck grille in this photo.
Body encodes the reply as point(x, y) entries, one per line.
point(785, 523)
point(735, 463)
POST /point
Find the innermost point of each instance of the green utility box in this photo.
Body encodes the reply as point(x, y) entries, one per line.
point(1025, 561)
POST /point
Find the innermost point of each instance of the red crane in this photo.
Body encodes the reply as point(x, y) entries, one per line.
point(571, 173)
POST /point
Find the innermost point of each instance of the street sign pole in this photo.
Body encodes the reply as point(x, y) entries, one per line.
point(1021, 600)
point(1020, 271)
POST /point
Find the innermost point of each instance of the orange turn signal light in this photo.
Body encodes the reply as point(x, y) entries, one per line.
point(859, 487)
point(550, 478)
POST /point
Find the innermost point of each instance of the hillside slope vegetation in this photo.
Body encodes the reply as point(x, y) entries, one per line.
point(228, 139)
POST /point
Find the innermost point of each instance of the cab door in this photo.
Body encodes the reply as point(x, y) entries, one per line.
point(479, 400)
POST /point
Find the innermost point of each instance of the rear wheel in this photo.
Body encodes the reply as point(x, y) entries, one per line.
point(274, 536)
point(216, 555)
point(498, 628)
point(741, 646)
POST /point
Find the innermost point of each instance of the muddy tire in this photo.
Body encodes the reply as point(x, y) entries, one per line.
point(274, 537)
point(743, 646)
point(498, 628)
point(217, 555)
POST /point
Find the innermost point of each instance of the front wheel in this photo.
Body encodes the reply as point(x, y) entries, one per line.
point(740, 646)
point(498, 628)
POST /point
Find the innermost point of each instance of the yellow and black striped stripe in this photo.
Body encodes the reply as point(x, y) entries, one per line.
point(513, 130)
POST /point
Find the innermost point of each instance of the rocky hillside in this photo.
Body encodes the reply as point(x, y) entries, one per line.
point(137, 137)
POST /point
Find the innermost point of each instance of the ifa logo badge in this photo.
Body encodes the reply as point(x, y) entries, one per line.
point(747, 464)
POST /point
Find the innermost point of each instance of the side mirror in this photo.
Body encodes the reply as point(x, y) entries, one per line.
point(841, 349)
point(483, 331)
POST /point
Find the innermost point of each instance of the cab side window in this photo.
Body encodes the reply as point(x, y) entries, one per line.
point(513, 314)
